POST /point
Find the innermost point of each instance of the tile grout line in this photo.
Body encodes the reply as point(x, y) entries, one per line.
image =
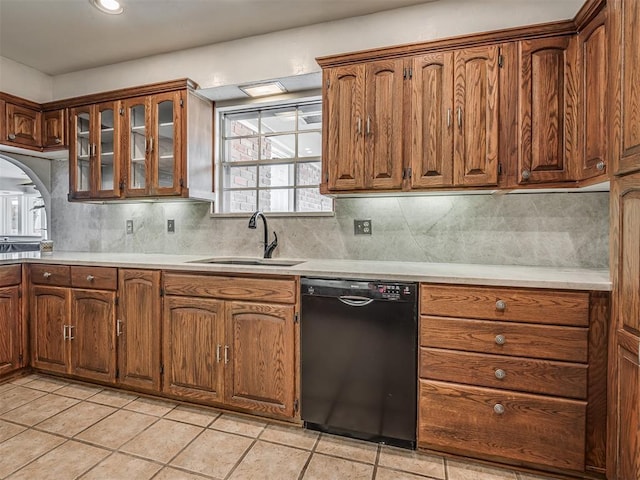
point(375, 463)
point(245, 453)
point(312, 452)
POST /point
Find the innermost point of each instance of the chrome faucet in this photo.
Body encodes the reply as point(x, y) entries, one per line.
point(268, 247)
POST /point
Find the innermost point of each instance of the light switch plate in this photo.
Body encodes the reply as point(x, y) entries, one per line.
point(171, 226)
point(129, 227)
point(362, 227)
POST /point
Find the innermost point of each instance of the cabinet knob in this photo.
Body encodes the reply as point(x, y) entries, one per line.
point(500, 374)
point(500, 339)
point(90, 278)
point(526, 175)
point(46, 274)
point(11, 136)
point(57, 141)
point(501, 305)
point(600, 165)
point(498, 408)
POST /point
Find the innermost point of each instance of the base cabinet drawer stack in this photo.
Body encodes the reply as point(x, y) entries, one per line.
point(73, 320)
point(504, 375)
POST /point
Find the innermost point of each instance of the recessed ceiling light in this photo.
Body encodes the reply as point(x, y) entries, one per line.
point(263, 89)
point(112, 7)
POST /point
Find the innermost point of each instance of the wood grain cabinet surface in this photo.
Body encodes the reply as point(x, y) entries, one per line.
point(23, 125)
point(73, 329)
point(54, 129)
point(11, 325)
point(231, 341)
point(505, 372)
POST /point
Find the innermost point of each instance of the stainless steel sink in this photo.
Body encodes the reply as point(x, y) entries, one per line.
point(262, 262)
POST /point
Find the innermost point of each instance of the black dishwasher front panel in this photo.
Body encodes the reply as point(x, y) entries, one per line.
point(359, 359)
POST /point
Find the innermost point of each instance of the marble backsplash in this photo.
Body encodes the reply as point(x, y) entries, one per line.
point(544, 229)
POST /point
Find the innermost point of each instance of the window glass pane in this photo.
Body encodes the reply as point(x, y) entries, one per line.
point(83, 147)
point(242, 149)
point(310, 117)
point(240, 177)
point(276, 175)
point(310, 144)
point(276, 200)
point(309, 173)
point(241, 200)
point(241, 124)
point(106, 149)
point(310, 200)
point(165, 144)
point(138, 139)
point(279, 146)
point(279, 120)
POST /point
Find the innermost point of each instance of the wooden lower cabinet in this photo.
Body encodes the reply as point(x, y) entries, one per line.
point(11, 324)
point(138, 329)
point(224, 344)
point(192, 348)
point(260, 374)
point(50, 315)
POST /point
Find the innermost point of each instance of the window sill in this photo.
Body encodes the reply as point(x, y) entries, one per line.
point(273, 214)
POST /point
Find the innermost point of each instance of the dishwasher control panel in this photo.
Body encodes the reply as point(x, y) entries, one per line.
point(377, 290)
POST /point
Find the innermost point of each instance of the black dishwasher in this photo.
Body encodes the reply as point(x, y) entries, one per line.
point(359, 359)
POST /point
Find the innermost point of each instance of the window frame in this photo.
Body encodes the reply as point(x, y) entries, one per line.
point(257, 106)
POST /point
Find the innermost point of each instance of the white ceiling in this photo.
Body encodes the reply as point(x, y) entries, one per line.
point(61, 36)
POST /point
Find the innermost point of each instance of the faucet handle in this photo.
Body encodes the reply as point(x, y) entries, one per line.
point(268, 249)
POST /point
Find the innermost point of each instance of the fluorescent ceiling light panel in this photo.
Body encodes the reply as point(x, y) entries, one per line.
point(263, 89)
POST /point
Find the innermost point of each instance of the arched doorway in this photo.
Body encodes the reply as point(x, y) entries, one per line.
point(24, 206)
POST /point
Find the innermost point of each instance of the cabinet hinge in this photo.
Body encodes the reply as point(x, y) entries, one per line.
point(117, 301)
point(296, 318)
point(181, 182)
point(296, 405)
point(162, 292)
point(117, 373)
point(410, 73)
point(19, 292)
point(20, 358)
point(406, 173)
point(326, 177)
point(121, 111)
point(121, 185)
point(500, 58)
point(499, 168)
point(181, 103)
point(404, 73)
point(328, 83)
point(161, 369)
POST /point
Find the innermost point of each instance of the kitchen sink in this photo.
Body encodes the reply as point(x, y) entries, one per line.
point(262, 262)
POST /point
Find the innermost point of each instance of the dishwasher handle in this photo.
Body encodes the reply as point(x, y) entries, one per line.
point(355, 300)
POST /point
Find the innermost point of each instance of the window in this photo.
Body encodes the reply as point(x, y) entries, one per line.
point(270, 160)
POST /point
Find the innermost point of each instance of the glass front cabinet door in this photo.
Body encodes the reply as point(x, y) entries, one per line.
point(152, 145)
point(94, 168)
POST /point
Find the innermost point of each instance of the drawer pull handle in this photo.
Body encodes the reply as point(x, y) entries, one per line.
point(501, 305)
point(226, 354)
point(118, 327)
point(46, 274)
point(90, 278)
point(500, 339)
point(500, 374)
point(498, 408)
point(218, 347)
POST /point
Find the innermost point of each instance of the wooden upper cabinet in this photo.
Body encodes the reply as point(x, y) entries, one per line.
point(548, 109)
point(363, 126)
point(260, 373)
point(153, 150)
point(23, 125)
point(343, 129)
point(138, 328)
point(476, 105)
point(431, 132)
point(94, 153)
point(594, 95)
point(54, 129)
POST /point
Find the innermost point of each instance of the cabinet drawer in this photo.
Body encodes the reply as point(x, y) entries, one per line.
point(505, 338)
point(102, 278)
point(507, 304)
point(10, 275)
point(513, 373)
point(530, 428)
point(231, 288)
point(51, 275)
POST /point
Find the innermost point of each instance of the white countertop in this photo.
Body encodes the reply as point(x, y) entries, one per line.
point(453, 273)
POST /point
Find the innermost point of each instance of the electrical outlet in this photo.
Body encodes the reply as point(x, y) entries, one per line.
point(171, 226)
point(129, 227)
point(362, 227)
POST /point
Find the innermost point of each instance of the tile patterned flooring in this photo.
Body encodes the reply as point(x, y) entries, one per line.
point(57, 429)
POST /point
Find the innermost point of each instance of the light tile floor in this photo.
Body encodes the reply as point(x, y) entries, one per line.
point(56, 429)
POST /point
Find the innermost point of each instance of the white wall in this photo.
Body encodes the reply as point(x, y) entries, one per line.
point(293, 52)
point(26, 82)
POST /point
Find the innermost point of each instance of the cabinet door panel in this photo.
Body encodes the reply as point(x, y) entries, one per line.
point(80, 151)
point(477, 111)
point(10, 329)
point(431, 121)
point(627, 412)
point(49, 316)
point(261, 372)
point(548, 97)
point(192, 347)
point(23, 125)
point(383, 124)
point(107, 152)
point(136, 147)
point(344, 128)
point(139, 328)
point(92, 335)
point(53, 129)
point(165, 143)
